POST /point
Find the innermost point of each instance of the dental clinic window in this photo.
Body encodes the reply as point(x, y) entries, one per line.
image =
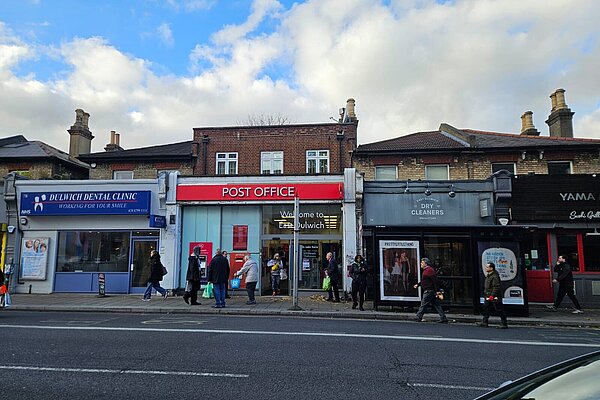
point(317, 162)
point(386, 173)
point(227, 163)
point(89, 251)
point(436, 172)
point(559, 167)
point(271, 162)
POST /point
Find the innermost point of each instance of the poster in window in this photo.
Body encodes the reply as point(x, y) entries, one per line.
point(399, 269)
point(34, 258)
point(240, 237)
point(505, 256)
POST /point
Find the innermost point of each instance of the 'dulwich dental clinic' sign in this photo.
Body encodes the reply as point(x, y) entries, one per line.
point(85, 203)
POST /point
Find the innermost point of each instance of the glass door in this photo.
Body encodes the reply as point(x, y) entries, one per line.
point(140, 265)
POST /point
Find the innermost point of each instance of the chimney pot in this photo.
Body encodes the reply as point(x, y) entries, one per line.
point(553, 100)
point(560, 99)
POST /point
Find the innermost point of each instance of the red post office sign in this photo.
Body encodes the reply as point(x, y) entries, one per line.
point(261, 192)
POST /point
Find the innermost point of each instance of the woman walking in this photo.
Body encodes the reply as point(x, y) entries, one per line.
point(156, 275)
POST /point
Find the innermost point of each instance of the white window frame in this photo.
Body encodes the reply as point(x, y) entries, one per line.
point(271, 158)
point(564, 161)
point(386, 167)
point(317, 157)
point(121, 175)
point(227, 159)
point(437, 166)
point(514, 167)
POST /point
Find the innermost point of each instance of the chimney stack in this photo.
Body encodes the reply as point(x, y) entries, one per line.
point(560, 120)
point(115, 140)
point(347, 115)
point(527, 127)
point(80, 141)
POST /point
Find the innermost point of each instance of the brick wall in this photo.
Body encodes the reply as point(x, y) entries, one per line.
point(42, 170)
point(141, 170)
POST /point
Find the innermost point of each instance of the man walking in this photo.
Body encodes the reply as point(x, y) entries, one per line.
point(193, 278)
point(492, 294)
point(566, 285)
point(218, 274)
point(430, 286)
point(250, 268)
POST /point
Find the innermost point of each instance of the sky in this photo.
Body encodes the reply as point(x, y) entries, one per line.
point(153, 70)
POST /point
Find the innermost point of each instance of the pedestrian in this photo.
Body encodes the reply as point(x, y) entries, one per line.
point(566, 285)
point(156, 275)
point(492, 297)
point(250, 269)
point(333, 272)
point(227, 296)
point(193, 278)
point(218, 275)
point(276, 265)
point(358, 273)
point(430, 286)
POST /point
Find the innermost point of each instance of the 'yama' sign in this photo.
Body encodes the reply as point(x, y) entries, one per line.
point(577, 197)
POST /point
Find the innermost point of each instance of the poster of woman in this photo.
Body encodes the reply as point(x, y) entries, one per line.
point(34, 258)
point(398, 269)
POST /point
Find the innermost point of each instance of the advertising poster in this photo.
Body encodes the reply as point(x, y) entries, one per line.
point(34, 258)
point(240, 237)
point(505, 255)
point(399, 269)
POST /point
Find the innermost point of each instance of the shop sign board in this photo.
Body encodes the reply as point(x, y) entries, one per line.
point(158, 221)
point(260, 192)
point(85, 203)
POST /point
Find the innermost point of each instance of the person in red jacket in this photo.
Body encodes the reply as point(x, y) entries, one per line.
point(430, 286)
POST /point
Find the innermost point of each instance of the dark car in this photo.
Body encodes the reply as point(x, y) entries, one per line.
point(574, 379)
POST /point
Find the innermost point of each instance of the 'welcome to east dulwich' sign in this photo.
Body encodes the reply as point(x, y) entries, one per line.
point(85, 203)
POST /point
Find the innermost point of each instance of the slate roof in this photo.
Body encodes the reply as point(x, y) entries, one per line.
point(469, 139)
point(172, 151)
point(17, 148)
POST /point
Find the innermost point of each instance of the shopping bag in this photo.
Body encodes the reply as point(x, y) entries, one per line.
point(3, 289)
point(208, 291)
point(283, 275)
point(326, 283)
point(188, 286)
point(6, 300)
point(235, 283)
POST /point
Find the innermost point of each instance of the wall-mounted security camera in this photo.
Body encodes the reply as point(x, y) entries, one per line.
point(10, 229)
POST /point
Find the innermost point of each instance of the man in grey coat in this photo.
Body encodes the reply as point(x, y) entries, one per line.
point(250, 268)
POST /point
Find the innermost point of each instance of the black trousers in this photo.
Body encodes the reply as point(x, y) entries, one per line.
point(193, 294)
point(358, 288)
point(498, 310)
point(569, 291)
point(335, 287)
point(250, 287)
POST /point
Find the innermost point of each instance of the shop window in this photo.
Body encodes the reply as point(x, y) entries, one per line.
point(271, 162)
point(227, 163)
point(386, 173)
point(436, 172)
point(317, 161)
point(316, 219)
point(535, 250)
point(84, 251)
point(122, 174)
point(25, 173)
point(510, 167)
point(559, 167)
point(567, 246)
point(591, 253)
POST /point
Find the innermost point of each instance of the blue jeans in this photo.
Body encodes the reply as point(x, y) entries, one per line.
point(275, 280)
point(219, 291)
point(430, 299)
point(153, 285)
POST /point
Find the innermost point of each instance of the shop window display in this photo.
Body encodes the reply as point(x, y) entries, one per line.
point(84, 251)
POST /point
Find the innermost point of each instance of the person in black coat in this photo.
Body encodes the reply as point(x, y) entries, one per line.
point(156, 275)
point(193, 278)
point(358, 273)
point(333, 273)
point(218, 274)
point(566, 285)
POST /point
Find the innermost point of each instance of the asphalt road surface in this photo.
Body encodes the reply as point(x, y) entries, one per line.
point(136, 356)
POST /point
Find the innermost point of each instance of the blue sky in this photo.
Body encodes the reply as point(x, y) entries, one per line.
point(154, 69)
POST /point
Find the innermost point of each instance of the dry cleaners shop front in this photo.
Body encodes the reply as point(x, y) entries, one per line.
point(73, 232)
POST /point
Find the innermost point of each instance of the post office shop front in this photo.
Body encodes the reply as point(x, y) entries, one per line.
point(73, 232)
point(256, 216)
point(452, 224)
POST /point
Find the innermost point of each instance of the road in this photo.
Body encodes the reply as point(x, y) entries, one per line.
point(136, 356)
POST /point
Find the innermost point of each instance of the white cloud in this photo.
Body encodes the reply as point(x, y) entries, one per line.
point(409, 65)
point(165, 34)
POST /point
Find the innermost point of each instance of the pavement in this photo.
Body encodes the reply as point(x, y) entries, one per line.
point(311, 304)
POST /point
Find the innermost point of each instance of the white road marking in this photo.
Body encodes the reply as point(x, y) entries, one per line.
point(173, 322)
point(314, 334)
point(442, 386)
point(124, 371)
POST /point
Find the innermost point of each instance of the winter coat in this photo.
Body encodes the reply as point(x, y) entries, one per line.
point(564, 274)
point(332, 270)
point(250, 268)
point(277, 271)
point(218, 269)
point(156, 274)
point(358, 271)
point(429, 279)
point(491, 286)
point(193, 272)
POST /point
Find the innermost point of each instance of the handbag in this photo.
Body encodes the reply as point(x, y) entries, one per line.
point(3, 289)
point(208, 291)
point(164, 270)
point(235, 283)
point(326, 283)
point(283, 275)
point(188, 286)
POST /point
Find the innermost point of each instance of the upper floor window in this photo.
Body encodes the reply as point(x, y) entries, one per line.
point(317, 161)
point(271, 162)
point(122, 174)
point(26, 173)
point(227, 163)
point(559, 167)
point(510, 167)
point(436, 172)
point(386, 173)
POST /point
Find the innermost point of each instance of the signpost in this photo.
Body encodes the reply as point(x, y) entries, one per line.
point(297, 264)
point(101, 285)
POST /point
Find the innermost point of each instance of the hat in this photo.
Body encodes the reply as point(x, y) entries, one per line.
point(427, 260)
